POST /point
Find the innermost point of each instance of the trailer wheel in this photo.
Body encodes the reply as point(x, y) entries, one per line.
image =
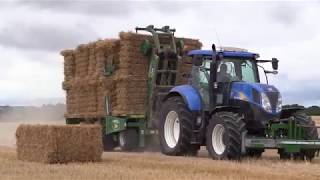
point(223, 136)
point(311, 133)
point(108, 142)
point(175, 128)
point(283, 155)
point(254, 153)
point(128, 140)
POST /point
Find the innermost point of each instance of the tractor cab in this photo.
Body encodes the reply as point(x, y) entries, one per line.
point(230, 78)
point(231, 66)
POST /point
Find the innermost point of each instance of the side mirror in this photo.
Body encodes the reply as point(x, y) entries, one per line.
point(271, 72)
point(274, 62)
point(197, 60)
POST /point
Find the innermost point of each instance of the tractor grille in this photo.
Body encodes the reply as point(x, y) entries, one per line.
point(273, 97)
point(256, 96)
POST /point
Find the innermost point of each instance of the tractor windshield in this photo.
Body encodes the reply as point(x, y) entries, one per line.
point(233, 69)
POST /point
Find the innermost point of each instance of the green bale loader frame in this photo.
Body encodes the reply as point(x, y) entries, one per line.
point(117, 124)
point(292, 143)
point(113, 125)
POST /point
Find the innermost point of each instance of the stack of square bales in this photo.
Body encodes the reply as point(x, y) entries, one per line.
point(87, 85)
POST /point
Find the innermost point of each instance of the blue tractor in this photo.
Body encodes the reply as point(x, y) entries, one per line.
point(226, 108)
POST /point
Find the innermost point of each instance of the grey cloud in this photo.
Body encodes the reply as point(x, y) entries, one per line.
point(173, 7)
point(286, 13)
point(43, 37)
point(109, 8)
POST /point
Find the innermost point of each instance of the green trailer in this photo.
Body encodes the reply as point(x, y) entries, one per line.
point(134, 132)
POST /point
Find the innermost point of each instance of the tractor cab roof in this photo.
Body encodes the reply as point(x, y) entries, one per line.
point(225, 53)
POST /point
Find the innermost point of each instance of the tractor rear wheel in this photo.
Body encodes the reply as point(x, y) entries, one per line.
point(310, 134)
point(128, 140)
point(175, 128)
point(224, 134)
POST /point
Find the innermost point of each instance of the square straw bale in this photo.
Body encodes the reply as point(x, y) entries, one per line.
point(59, 143)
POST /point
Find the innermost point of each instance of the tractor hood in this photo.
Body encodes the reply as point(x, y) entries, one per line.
point(265, 96)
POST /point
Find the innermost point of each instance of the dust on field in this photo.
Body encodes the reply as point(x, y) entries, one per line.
point(8, 130)
point(118, 165)
point(316, 119)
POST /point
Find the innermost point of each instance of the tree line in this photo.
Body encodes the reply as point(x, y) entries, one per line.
point(311, 110)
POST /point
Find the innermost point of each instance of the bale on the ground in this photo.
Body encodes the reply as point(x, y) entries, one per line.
point(59, 143)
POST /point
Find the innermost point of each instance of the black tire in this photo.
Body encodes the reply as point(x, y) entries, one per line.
point(193, 150)
point(129, 140)
point(311, 133)
point(283, 155)
point(183, 146)
point(233, 128)
point(108, 142)
point(254, 153)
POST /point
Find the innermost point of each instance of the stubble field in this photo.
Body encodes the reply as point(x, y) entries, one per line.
point(117, 165)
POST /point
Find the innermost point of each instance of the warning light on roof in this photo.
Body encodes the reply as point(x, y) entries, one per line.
point(226, 48)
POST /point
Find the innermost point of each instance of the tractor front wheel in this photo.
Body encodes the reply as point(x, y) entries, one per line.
point(224, 134)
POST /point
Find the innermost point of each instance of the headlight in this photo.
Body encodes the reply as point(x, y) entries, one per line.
point(279, 104)
point(265, 102)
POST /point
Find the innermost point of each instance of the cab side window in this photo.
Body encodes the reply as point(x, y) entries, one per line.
point(247, 72)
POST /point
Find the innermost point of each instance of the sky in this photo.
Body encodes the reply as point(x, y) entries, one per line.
point(32, 34)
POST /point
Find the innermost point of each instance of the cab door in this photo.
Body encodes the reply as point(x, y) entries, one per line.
point(200, 80)
point(226, 73)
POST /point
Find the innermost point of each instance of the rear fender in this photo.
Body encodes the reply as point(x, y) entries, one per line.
point(190, 96)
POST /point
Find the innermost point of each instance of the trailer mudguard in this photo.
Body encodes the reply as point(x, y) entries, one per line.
point(190, 96)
